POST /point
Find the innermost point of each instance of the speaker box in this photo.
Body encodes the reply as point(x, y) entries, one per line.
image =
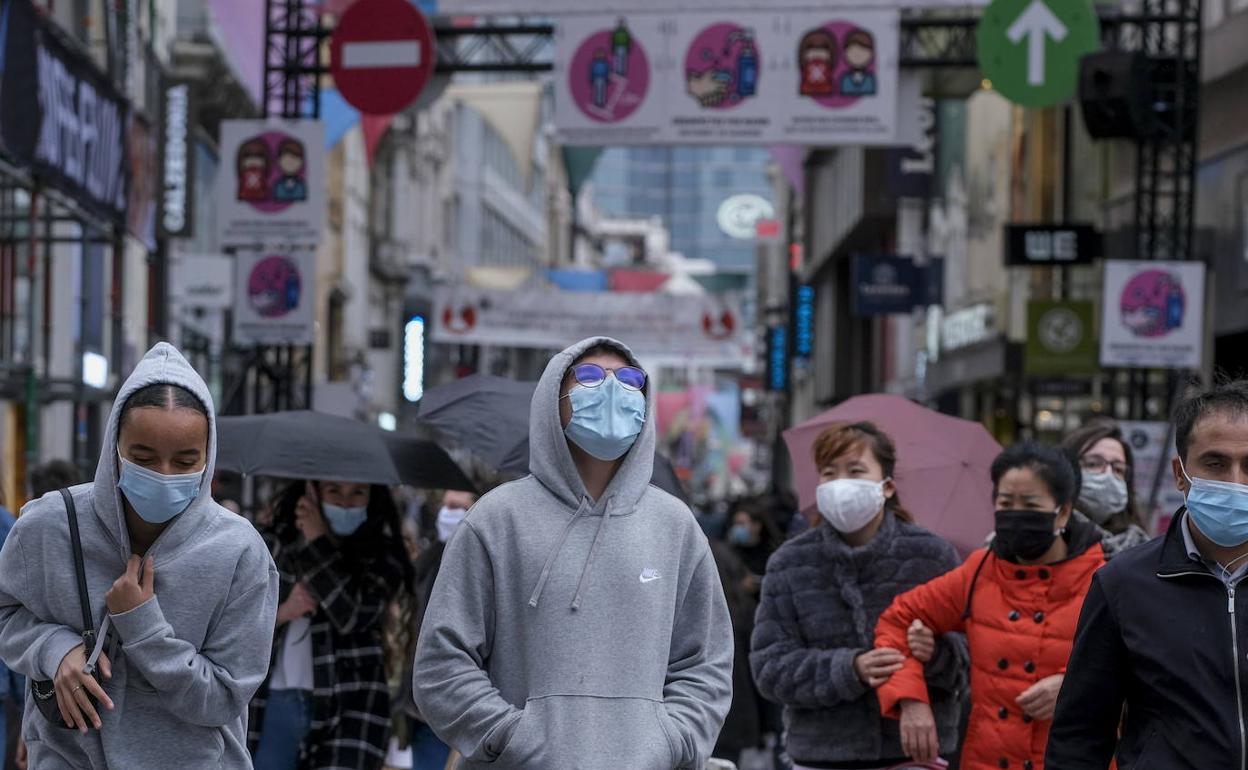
point(1116, 95)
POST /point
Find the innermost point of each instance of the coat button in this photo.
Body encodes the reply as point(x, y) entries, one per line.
point(1003, 713)
point(1029, 667)
point(1003, 664)
point(1044, 574)
point(1021, 575)
point(1038, 617)
point(1003, 763)
point(1027, 765)
point(1027, 719)
point(1015, 615)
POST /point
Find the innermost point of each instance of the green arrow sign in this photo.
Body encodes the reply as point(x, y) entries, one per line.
point(1030, 49)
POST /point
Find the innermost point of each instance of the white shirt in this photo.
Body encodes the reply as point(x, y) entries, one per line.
point(293, 668)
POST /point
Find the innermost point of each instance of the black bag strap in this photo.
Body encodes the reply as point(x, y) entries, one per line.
point(84, 598)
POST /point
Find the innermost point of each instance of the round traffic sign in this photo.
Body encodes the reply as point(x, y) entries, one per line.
point(1030, 49)
point(382, 55)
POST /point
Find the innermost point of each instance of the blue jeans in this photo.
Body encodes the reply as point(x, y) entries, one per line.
point(287, 719)
point(428, 753)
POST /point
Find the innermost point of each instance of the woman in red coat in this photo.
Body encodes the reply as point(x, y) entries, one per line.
point(1018, 602)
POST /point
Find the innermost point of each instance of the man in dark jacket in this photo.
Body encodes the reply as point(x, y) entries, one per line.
point(1163, 631)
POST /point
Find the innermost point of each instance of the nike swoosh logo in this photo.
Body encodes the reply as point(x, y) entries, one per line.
point(649, 577)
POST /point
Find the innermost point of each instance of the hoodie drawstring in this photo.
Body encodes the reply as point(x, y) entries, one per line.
point(593, 552)
point(550, 560)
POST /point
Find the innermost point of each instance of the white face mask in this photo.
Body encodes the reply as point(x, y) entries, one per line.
point(449, 520)
point(850, 504)
point(1102, 496)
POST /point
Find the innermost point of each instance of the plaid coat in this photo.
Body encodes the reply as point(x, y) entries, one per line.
point(351, 712)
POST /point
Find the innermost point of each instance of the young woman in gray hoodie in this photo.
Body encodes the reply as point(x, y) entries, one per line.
point(182, 592)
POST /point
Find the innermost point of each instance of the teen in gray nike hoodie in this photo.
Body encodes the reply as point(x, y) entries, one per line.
point(568, 632)
point(186, 662)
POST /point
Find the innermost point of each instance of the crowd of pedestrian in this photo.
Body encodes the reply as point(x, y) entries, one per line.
point(581, 617)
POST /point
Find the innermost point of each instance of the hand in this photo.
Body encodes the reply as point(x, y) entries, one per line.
point(922, 641)
point(73, 686)
point(129, 591)
point(919, 739)
point(706, 88)
point(308, 517)
point(298, 604)
point(19, 756)
point(1040, 700)
point(875, 667)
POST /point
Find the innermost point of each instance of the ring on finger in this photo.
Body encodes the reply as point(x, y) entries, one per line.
point(76, 689)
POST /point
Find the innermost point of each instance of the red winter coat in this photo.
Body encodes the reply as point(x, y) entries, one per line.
point(1020, 626)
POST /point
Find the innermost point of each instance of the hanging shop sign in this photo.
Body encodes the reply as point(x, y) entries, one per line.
point(59, 115)
point(1154, 314)
point(732, 78)
point(966, 327)
point(706, 328)
point(202, 281)
point(274, 298)
point(1039, 245)
point(747, 216)
point(777, 358)
point(271, 184)
point(884, 285)
point(1061, 338)
point(177, 162)
point(803, 322)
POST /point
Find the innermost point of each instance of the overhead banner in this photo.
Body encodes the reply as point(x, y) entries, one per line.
point(565, 8)
point(1061, 338)
point(801, 77)
point(274, 298)
point(653, 325)
point(1154, 314)
point(60, 116)
point(271, 185)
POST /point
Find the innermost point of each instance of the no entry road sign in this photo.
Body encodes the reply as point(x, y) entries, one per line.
point(382, 55)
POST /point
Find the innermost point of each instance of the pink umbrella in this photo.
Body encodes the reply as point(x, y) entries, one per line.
point(943, 464)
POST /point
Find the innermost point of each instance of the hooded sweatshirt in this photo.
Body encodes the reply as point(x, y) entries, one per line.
point(186, 662)
point(568, 632)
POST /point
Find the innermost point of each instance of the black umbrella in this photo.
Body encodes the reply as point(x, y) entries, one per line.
point(311, 445)
point(490, 417)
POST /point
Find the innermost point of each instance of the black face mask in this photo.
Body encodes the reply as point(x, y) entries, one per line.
point(1024, 535)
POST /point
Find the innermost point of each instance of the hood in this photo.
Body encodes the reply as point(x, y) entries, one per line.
point(550, 460)
point(163, 364)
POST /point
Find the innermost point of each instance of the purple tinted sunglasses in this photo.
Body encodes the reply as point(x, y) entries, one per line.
point(593, 375)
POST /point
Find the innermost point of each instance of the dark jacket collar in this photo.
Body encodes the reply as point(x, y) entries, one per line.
point(1174, 558)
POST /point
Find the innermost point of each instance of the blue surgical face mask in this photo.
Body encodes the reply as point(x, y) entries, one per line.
point(155, 497)
point(606, 420)
point(1219, 509)
point(344, 521)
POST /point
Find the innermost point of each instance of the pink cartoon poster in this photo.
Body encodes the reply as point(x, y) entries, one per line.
point(274, 297)
point(1153, 314)
point(271, 189)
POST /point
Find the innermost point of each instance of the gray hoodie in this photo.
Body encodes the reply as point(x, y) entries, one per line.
point(185, 663)
point(566, 632)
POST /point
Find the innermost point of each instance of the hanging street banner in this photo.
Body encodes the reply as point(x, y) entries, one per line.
point(706, 328)
point(1030, 49)
point(1061, 338)
point(60, 117)
point(1153, 314)
point(1152, 446)
point(274, 298)
point(271, 183)
point(177, 161)
point(735, 78)
point(568, 8)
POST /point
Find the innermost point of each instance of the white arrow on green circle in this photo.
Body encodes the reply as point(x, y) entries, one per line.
point(1036, 23)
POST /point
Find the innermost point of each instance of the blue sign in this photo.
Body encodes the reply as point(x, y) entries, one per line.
point(884, 285)
point(778, 358)
point(804, 322)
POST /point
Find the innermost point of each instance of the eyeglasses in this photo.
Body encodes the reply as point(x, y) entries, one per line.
point(1097, 464)
point(593, 375)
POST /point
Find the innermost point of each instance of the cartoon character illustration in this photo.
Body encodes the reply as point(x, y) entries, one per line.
point(274, 287)
point(599, 76)
point(622, 47)
point(860, 56)
point(1152, 304)
point(253, 170)
point(292, 187)
point(816, 57)
point(730, 76)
